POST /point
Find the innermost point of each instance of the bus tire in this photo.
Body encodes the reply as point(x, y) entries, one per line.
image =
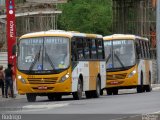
point(58, 97)
point(101, 92)
point(115, 91)
point(78, 94)
point(50, 97)
point(88, 94)
point(31, 97)
point(109, 91)
point(96, 93)
point(140, 88)
point(148, 87)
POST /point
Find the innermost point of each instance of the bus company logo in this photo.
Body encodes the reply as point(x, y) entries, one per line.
point(10, 7)
point(11, 117)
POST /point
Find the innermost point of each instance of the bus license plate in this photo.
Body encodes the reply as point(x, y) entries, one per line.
point(42, 88)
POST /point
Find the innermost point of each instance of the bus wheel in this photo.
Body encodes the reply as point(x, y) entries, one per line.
point(96, 93)
point(88, 94)
point(109, 91)
point(78, 95)
point(50, 97)
point(148, 87)
point(115, 91)
point(58, 97)
point(101, 92)
point(140, 88)
point(31, 97)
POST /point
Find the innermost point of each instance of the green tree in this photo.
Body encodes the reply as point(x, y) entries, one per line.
point(90, 16)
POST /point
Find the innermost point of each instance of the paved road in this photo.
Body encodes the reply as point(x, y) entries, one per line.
point(124, 106)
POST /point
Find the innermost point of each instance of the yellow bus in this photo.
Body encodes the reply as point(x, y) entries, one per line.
point(128, 63)
point(56, 62)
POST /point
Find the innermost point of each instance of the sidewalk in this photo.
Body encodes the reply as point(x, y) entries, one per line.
point(9, 98)
point(155, 87)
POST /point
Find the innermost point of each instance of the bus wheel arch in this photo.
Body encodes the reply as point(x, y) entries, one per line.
point(78, 94)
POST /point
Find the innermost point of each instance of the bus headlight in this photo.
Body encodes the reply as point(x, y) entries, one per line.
point(21, 79)
point(132, 73)
point(65, 77)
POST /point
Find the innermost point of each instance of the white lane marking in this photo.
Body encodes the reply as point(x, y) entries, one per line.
point(48, 106)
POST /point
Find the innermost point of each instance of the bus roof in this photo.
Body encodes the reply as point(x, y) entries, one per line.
point(123, 36)
point(60, 33)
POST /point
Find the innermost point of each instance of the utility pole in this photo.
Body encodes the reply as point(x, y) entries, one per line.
point(158, 40)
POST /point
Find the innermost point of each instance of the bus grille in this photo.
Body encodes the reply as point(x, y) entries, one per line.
point(116, 76)
point(43, 80)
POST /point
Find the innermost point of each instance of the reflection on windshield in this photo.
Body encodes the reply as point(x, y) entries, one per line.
point(119, 53)
point(45, 53)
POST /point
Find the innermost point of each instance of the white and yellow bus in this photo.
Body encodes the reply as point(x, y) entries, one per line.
point(55, 63)
point(128, 63)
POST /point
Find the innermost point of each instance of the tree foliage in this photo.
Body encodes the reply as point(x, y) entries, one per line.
point(90, 16)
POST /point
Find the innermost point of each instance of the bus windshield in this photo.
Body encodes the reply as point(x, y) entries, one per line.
point(119, 54)
point(43, 54)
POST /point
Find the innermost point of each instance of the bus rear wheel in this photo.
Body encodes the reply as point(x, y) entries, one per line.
point(97, 92)
point(78, 94)
point(31, 97)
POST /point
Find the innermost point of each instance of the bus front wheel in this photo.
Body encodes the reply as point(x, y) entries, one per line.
point(78, 94)
point(109, 91)
point(58, 97)
point(31, 97)
point(50, 97)
point(140, 88)
point(115, 91)
point(148, 87)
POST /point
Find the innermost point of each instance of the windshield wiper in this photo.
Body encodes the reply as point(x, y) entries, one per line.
point(119, 60)
point(35, 60)
point(108, 58)
point(49, 59)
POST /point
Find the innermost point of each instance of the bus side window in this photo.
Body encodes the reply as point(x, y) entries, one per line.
point(80, 47)
point(73, 51)
point(86, 49)
point(93, 49)
point(100, 48)
point(138, 49)
point(142, 49)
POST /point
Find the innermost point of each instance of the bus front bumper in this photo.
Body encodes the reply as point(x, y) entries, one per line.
point(122, 83)
point(64, 87)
